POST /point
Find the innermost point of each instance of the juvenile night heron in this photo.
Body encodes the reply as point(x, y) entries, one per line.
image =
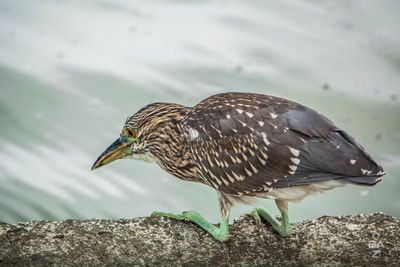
point(244, 146)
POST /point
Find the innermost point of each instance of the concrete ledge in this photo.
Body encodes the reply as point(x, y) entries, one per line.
point(350, 240)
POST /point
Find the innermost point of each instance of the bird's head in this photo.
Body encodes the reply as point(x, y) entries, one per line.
point(144, 134)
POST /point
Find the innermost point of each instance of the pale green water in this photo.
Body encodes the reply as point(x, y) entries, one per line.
point(72, 71)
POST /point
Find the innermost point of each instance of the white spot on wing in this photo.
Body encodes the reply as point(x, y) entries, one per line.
point(292, 168)
point(263, 154)
point(248, 172)
point(294, 151)
point(273, 115)
point(261, 123)
point(225, 181)
point(230, 177)
point(237, 177)
point(252, 153)
point(215, 178)
point(210, 162)
point(242, 123)
point(249, 114)
point(364, 171)
point(240, 111)
point(228, 116)
point(193, 134)
point(214, 184)
point(263, 162)
point(295, 160)
point(226, 164)
point(265, 139)
point(353, 161)
point(253, 168)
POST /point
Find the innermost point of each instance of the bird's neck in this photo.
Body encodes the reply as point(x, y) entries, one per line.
point(167, 144)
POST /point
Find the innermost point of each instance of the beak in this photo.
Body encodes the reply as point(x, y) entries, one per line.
point(117, 150)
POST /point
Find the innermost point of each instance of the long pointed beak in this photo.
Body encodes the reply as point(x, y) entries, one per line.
point(117, 150)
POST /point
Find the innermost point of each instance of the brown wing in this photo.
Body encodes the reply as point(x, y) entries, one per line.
point(247, 143)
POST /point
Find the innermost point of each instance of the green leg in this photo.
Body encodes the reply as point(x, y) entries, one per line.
point(221, 234)
point(284, 228)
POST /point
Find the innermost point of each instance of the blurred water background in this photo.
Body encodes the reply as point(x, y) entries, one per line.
point(72, 71)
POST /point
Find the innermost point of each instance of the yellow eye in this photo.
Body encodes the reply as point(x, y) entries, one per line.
point(131, 133)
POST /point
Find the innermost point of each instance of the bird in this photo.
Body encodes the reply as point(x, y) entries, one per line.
point(245, 146)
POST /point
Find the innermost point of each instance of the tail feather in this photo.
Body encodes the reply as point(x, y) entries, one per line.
point(305, 178)
point(363, 180)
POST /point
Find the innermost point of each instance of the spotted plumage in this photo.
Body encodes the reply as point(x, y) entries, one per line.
point(253, 143)
point(248, 145)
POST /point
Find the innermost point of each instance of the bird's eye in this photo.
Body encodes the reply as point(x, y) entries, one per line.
point(131, 133)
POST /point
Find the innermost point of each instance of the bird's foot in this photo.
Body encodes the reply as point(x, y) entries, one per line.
point(255, 216)
point(284, 228)
point(221, 233)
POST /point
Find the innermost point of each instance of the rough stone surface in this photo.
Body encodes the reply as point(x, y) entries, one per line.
point(361, 240)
